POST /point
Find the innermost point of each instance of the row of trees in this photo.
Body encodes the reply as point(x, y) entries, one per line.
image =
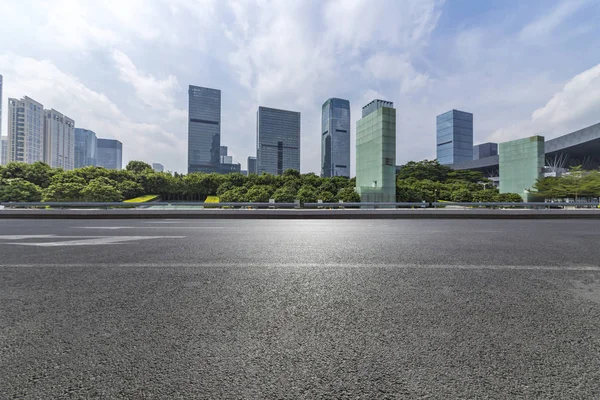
point(416, 181)
point(429, 181)
point(576, 184)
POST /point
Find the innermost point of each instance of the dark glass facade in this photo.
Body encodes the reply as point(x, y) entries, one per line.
point(485, 150)
point(85, 148)
point(454, 137)
point(335, 138)
point(109, 153)
point(204, 129)
point(277, 140)
point(251, 165)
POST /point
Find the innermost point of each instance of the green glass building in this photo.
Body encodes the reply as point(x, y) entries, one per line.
point(521, 164)
point(376, 152)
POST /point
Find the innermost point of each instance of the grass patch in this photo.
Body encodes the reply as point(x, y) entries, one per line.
point(143, 199)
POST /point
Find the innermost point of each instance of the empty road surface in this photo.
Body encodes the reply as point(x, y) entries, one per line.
point(276, 309)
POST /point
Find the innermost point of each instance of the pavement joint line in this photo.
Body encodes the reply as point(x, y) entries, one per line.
point(592, 268)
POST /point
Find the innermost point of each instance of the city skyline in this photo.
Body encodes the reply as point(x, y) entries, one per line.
point(434, 57)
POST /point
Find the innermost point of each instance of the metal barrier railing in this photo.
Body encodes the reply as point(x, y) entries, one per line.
point(311, 205)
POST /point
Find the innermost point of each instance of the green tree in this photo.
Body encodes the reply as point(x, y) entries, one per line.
point(307, 194)
point(421, 170)
point(462, 195)
point(235, 195)
point(485, 196)
point(284, 194)
point(64, 191)
point(508, 198)
point(138, 167)
point(130, 189)
point(38, 173)
point(101, 189)
point(348, 195)
point(326, 196)
point(407, 195)
point(19, 190)
point(259, 194)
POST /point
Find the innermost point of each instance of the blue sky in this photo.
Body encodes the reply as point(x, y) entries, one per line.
point(122, 68)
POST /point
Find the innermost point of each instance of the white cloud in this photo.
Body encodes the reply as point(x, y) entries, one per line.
point(548, 22)
point(574, 107)
point(156, 93)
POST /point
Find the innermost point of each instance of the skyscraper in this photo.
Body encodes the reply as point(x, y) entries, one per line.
point(204, 129)
point(3, 150)
point(454, 137)
point(251, 165)
point(59, 140)
point(277, 140)
point(110, 153)
point(376, 152)
point(86, 151)
point(335, 138)
point(158, 167)
point(1, 108)
point(25, 130)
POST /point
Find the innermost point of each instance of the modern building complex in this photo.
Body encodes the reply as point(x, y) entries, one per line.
point(485, 150)
point(3, 150)
point(376, 152)
point(335, 138)
point(581, 147)
point(59, 140)
point(204, 129)
point(521, 165)
point(454, 137)
point(25, 130)
point(86, 151)
point(158, 167)
point(110, 153)
point(277, 140)
point(251, 165)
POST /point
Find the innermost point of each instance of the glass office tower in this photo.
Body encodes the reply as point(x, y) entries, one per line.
point(204, 129)
point(110, 153)
point(376, 152)
point(85, 148)
point(485, 150)
point(521, 165)
point(251, 165)
point(277, 140)
point(454, 137)
point(335, 138)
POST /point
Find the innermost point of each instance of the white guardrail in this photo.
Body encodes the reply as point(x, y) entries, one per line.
point(265, 205)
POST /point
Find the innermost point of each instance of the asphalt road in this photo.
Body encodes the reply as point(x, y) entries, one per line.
point(265, 309)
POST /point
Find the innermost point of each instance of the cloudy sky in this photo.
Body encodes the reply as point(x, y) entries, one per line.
point(122, 67)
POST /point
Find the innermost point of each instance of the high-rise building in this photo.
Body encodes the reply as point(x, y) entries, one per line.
point(454, 137)
point(251, 165)
point(86, 151)
point(110, 153)
point(521, 164)
point(376, 152)
point(485, 150)
point(335, 138)
point(25, 130)
point(59, 140)
point(204, 129)
point(1, 160)
point(3, 150)
point(158, 167)
point(277, 140)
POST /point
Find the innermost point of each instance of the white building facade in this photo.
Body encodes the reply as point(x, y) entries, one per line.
point(25, 130)
point(59, 140)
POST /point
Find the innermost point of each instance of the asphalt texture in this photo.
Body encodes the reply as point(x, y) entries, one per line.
point(276, 309)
